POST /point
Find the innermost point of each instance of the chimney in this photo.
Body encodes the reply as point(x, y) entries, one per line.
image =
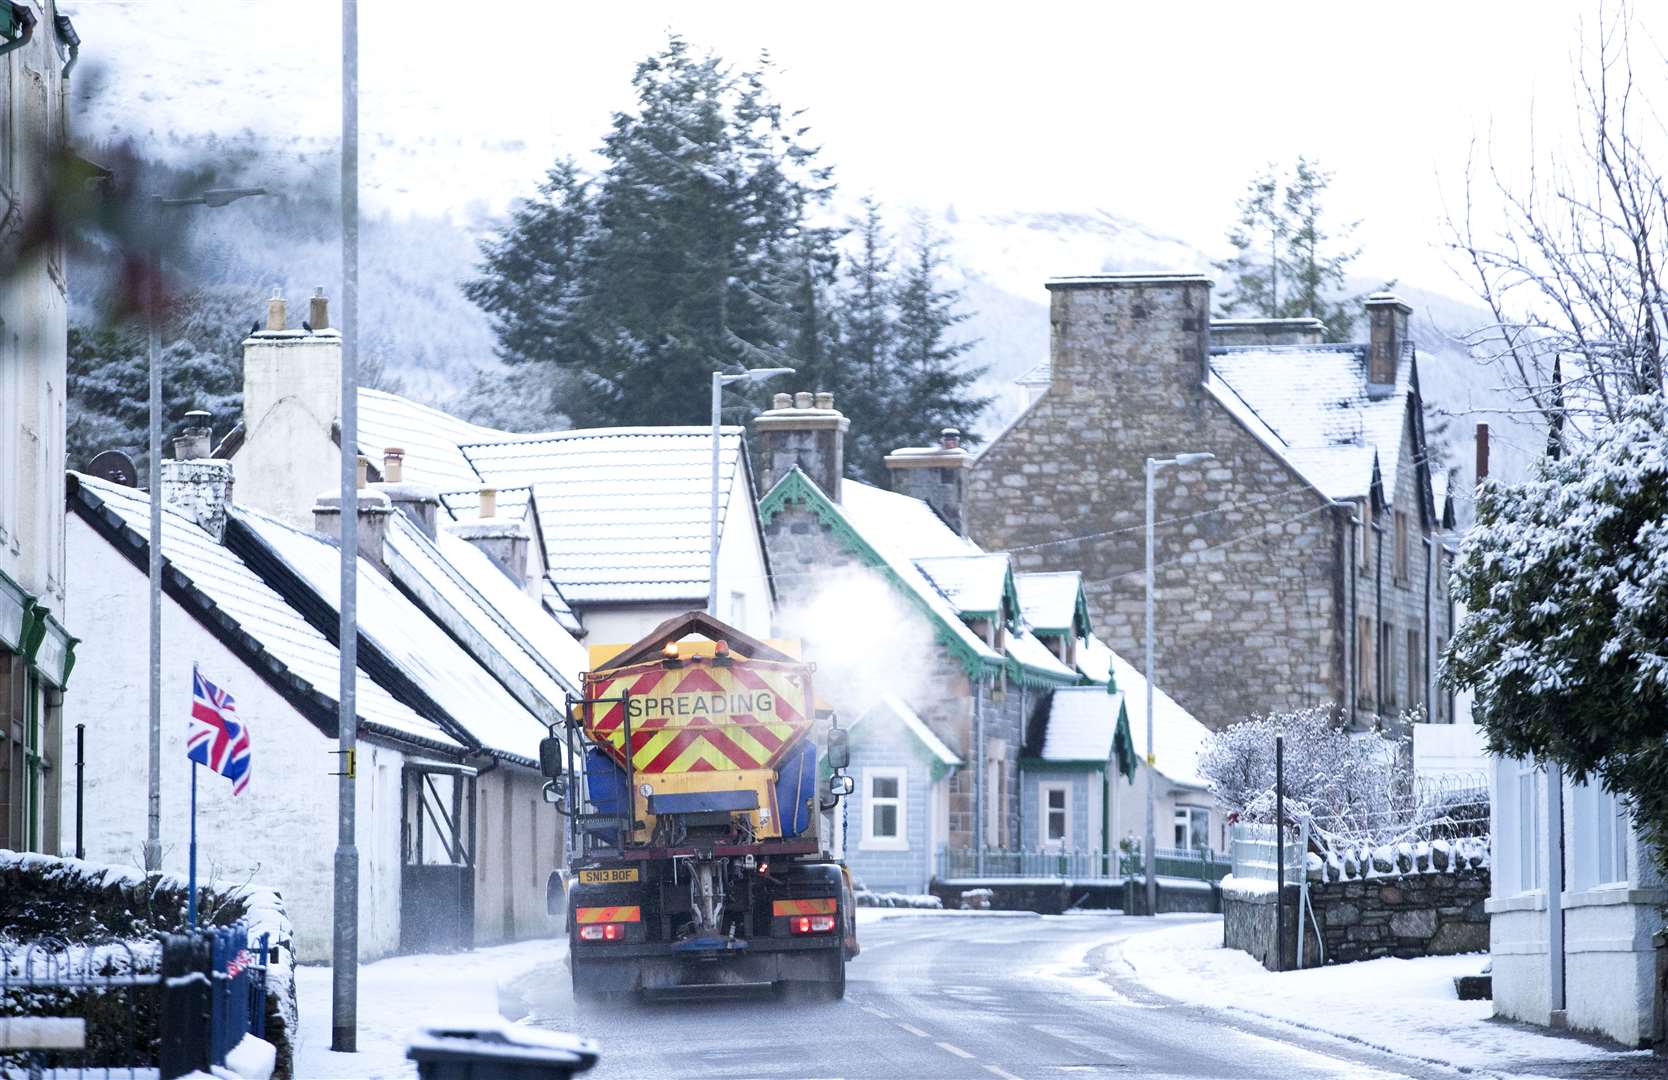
point(374, 511)
point(506, 541)
point(1482, 452)
point(419, 502)
point(937, 475)
point(1147, 335)
point(1263, 332)
point(1387, 323)
point(291, 398)
point(195, 484)
point(804, 430)
point(318, 310)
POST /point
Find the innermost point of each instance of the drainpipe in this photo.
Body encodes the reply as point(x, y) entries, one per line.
point(71, 40)
point(1378, 620)
point(978, 783)
point(1430, 678)
point(22, 14)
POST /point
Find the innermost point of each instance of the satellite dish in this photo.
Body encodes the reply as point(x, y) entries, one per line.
point(116, 467)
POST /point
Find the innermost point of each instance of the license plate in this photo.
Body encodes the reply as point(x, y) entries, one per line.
point(608, 877)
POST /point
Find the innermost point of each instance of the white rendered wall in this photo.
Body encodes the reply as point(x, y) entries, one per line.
point(741, 565)
point(291, 397)
point(281, 832)
point(1449, 749)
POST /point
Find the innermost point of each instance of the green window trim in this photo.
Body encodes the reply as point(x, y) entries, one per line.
point(53, 665)
point(16, 603)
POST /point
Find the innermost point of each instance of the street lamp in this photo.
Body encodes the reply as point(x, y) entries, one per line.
point(1153, 465)
point(214, 197)
point(719, 382)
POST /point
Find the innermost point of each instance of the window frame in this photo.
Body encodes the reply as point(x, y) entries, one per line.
point(1400, 571)
point(899, 841)
point(1187, 813)
point(1045, 812)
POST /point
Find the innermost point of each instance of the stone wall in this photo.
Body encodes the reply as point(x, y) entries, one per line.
point(1247, 627)
point(1410, 916)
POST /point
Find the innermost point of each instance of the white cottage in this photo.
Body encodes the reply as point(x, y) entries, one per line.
point(1610, 897)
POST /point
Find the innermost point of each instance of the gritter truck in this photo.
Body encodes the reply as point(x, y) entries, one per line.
point(695, 811)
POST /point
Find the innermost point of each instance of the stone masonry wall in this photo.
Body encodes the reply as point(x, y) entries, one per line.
point(1410, 916)
point(1246, 627)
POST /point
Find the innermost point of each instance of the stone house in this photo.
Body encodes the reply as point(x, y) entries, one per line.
point(37, 650)
point(918, 639)
point(1302, 566)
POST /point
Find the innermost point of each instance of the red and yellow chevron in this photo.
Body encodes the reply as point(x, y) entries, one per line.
point(584, 915)
point(822, 906)
point(700, 717)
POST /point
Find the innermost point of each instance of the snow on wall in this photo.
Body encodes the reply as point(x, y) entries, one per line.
point(281, 831)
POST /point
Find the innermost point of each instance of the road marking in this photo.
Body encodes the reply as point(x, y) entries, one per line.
point(954, 1049)
point(1000, 1071)
point(913, 1030)
point(877, 1012)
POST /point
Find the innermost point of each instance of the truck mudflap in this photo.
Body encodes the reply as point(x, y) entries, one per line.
point(666, 969)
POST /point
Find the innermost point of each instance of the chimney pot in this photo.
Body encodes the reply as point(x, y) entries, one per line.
point(393, 462)
point(364, 471)
point(194, 442)
point(782, 401)
point(318, 310)
point(949, 438)
point(825, 400)
point(489, 502)
point(275, 310)
point(802, 400)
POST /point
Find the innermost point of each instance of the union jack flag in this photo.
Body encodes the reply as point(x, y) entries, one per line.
point(218, 738)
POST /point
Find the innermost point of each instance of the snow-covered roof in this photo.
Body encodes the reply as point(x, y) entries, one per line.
point(466, 505)
point(1082, 722)
point(977, 585)
point(1052, 601)
point(624, 511)
point(892, 706)
point(506, 630)
point(1178, 738)
point(424, 652)
point(1313, 406)
point(557, 604)
point(1040, 374)
point(894, 525)
point(255, 609)
point(429, 437)
point(1028, 650)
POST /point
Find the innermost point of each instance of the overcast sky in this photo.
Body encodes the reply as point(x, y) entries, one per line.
point(1156, 112)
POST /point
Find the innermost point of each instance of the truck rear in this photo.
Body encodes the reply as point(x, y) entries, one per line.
point(696, 854)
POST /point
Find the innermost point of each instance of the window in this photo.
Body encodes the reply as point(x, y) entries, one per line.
point(995, 793)
point(33, 765)
point(1054, 812)
point(1192, 827)
point(1415, 670)
point(1399, 568)
point(1364, 533)
point(1366, 679)
point(1439, 707)
point(1600, 840)
point(884, 809)
point(738, 609)
point(1528, 828)
point(1387, 657)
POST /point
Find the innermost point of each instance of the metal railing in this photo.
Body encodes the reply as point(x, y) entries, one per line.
point(964, 863)
point(1252, 847)
point(214, 995)
point(86, 1008)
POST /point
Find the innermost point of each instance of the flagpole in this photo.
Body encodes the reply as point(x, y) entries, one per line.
point(191, 900)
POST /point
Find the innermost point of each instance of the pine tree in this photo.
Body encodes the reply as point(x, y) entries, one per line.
point(1284, 265)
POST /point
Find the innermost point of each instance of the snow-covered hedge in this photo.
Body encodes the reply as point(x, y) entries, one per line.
point(865, 898)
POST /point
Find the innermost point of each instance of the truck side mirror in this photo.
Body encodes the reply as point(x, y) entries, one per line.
point(839, 750)
point(841, 785)
point(550, 757)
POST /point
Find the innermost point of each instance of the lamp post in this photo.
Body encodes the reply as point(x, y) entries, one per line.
point(719, 382)
point(214, 197)
point(1153, 466)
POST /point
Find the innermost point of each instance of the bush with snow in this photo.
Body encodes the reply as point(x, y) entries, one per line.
point(1565, 644)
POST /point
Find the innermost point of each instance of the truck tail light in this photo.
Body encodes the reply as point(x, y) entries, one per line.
point(811, 924)
point(602, 932)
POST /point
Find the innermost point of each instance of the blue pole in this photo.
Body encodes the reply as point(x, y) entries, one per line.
point(191, 900)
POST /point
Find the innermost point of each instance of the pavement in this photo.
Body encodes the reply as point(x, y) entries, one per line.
point(950, 996)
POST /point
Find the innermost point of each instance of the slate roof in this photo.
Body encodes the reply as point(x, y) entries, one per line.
point(1082, 723)
point(975, 584)
point(1178, 737)
point(1313, 406)
point(1053, 601)
point(1040, 374)
point(238, 606)
point(503, 628)
point(429, 437)
point(451, 683)
point(624, 511)
point(890, 707)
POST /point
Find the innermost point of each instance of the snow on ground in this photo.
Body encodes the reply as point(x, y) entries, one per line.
point(1405, 1007)
point(866, 915)
point(401, 994)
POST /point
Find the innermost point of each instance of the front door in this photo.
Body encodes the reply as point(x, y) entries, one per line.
point(437, 874)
